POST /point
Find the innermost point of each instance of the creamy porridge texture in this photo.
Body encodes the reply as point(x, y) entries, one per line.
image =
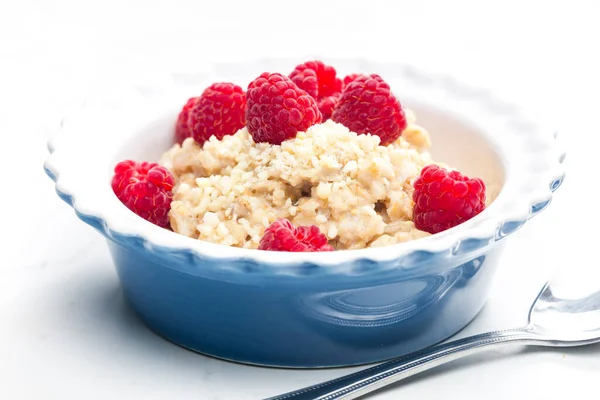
point(357, 192)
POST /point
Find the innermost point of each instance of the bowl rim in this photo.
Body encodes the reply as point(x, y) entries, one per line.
point(532, 174)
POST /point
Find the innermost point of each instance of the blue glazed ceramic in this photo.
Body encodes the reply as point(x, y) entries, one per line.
point(307, 309)
point(303, 321)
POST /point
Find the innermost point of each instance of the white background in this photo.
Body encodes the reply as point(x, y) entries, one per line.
point(65, 331)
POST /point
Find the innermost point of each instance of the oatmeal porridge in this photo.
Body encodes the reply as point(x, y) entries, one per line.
point(305, 162)
point(357, 192)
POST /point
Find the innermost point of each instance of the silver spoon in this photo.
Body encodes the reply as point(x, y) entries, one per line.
point(566, 313)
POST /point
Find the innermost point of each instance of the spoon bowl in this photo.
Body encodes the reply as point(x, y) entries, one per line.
point(572, 321)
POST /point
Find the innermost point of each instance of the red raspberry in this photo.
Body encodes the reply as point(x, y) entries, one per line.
point(182, 130)
point(219, 111)
point(283, 236)
point(277, 109)
point(350, 78)
point(321, 82)
point(145, 188)
point(327, 105)
point(444, 199)
point(367, 105)
point(306, 79)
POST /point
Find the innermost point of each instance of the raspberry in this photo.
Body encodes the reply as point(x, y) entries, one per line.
point(321, 82)
point(219, 111)
point(306, 79)
point(350, 78)
point(182, 130)
point(283, 236)
point(145, 188)
point(367, 105)
point(327, 105)
point(444, 199)
point(277, 109)
point(317, 79)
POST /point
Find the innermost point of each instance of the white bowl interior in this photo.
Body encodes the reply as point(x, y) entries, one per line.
point(156, 135)
point(461, 145)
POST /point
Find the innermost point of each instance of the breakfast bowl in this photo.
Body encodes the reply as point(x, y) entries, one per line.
point(307, 309)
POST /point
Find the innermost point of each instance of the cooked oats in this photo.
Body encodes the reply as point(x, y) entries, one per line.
point(357, 192)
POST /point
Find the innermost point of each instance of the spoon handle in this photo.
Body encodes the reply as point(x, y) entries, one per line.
point(362, 382)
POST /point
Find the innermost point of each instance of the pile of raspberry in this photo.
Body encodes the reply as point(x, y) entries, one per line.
point(274, 108)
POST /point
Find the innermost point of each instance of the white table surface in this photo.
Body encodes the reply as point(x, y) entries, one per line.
point(65, 330)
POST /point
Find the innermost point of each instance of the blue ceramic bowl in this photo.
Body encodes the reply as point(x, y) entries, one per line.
point(307, 310)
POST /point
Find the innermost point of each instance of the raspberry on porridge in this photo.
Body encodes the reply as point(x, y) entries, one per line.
point(302, 163)
point(321, 82)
